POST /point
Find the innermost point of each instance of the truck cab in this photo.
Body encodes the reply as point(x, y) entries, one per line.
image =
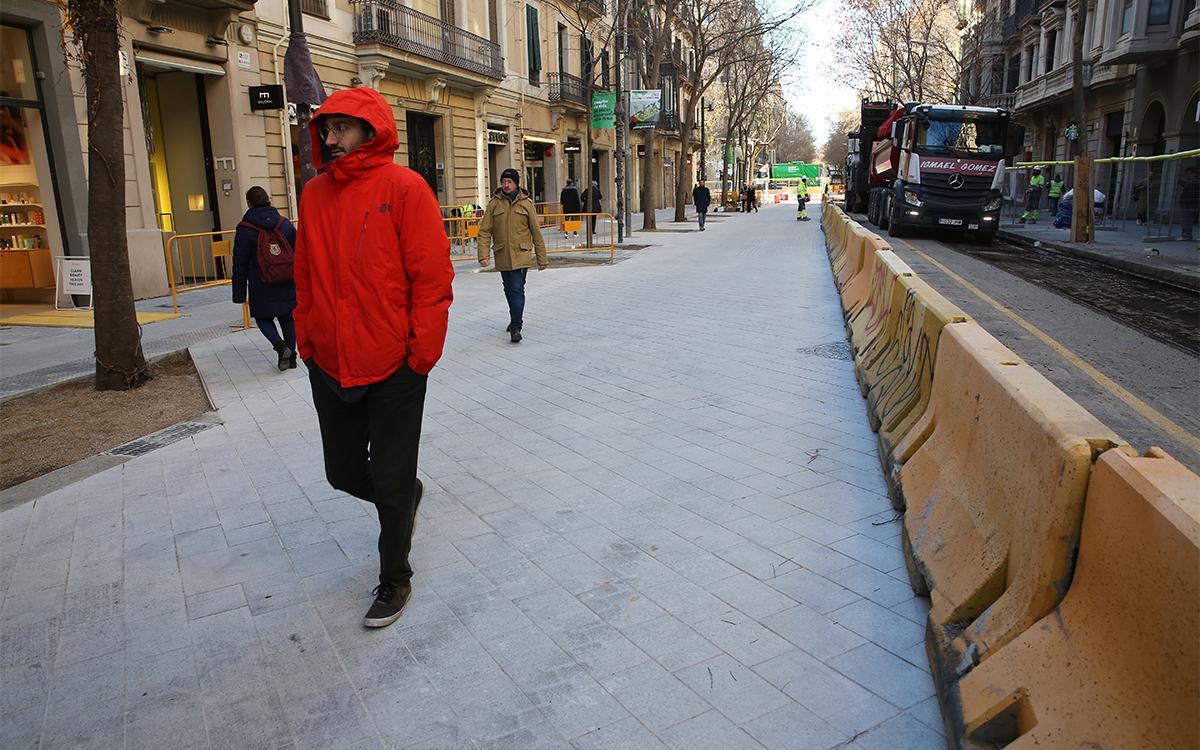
point(941, 166)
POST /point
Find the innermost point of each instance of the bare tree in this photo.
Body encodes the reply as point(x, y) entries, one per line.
point(748, 78)
point(1082, 218)
point(95, 42)
point(795, 141)
point(837, 145)
point(901, 51)
point(651, 30)
point(723, 33)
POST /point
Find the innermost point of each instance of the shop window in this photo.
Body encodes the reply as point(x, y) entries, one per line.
point(29, 231)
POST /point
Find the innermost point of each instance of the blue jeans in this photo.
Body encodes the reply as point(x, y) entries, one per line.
point(267, 326)
point(514, 292)
point(701, 215)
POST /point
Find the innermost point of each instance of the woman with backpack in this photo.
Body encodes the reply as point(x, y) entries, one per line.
point(263, 253)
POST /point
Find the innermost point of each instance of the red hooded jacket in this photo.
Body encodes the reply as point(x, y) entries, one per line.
point(373, 273)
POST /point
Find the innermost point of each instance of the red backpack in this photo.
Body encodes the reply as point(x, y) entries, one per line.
point(276, 257)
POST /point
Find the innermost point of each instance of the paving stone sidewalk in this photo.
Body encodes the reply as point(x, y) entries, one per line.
point(658, 522)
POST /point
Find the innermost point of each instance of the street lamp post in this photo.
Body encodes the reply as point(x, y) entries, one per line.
point(703, 141)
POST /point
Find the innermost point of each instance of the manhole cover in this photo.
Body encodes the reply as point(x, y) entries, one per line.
point(160, 439)
point(834, 350)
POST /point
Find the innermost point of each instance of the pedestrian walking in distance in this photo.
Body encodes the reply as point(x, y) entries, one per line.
point(264, 261)
point(569, 200)
point(373, 291)
point(510, 232)
point(701, 198)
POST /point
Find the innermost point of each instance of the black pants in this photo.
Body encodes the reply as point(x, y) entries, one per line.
point(371, 452)
point(288, 326)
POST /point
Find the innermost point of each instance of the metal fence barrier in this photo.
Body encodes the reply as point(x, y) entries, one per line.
point(1143, 190)
point(562, 233)
point(200, 260)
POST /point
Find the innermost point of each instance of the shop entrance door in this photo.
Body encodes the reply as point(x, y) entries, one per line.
point(181, 167)
point(535, 171)
point(422, 148)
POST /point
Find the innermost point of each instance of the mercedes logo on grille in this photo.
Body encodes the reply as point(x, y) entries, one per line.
point(956, 181)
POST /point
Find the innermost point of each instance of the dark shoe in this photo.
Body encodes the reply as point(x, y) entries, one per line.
point(292, 362)
point(285, 356)
point(389, 603)
point(514, 335)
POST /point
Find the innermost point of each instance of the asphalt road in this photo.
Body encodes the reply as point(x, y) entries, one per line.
point(1124, 347)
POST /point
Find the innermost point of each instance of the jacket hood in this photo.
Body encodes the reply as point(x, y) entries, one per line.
point(262, 216)
point(365, 104)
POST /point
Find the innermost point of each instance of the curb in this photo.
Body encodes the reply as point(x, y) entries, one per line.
point(1182, 279)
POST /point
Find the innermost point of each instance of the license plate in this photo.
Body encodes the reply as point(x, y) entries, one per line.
point(951, 222)
point(972, 226)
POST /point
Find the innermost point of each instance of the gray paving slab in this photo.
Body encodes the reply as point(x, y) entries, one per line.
point(657, 522)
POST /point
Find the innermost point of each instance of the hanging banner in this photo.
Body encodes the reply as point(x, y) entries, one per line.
point(644, 107)
point(604, 108)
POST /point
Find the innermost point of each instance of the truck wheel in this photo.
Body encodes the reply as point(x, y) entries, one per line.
point(885, 211)
point(896, 228)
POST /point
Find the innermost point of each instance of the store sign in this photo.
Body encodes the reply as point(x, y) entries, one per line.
point(645, 106)
point(497, 137)
point(604, 110)
point(266, 97)
point(76, 276)
point(572, 147)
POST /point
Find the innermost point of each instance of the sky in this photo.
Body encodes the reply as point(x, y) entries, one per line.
point(812, 90)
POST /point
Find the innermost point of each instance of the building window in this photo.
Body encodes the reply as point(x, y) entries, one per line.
point(1127, 17)
point(1014, 73)
point(1051, 45)
point(605, 65)
point(315, 8)
point(1159, 13)
point(1030, 57)
point(562, 48)
point(533, 45)
point(586, 60)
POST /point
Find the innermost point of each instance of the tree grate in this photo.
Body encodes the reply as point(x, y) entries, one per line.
point(160, 439)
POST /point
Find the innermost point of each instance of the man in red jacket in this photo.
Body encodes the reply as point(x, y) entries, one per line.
point(373, 290)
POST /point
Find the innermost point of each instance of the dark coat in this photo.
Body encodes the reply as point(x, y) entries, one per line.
point(591, 199)
point(701, 197)
point(266, 300)
point(569, 198)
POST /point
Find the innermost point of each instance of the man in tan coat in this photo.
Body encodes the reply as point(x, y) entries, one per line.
point(510, 231)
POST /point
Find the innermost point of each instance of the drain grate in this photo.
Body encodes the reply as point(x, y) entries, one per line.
point(839, 350)
point(160, 439)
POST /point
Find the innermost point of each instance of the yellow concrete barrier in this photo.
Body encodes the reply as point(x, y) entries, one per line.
point(1117, 664)
point(994, 496)
point(852, 258)
point(871, 327)
point(835, 239)
point(858, 287)
point(900, 383)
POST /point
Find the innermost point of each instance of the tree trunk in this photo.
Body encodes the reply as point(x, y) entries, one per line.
point(683, 175)
point(120, 363)
point(1082, 218)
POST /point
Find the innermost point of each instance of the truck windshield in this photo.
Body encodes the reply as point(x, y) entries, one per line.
point(972, 137)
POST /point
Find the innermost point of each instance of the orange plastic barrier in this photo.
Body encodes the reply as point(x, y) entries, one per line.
point(1117, 664)
point(994, 496)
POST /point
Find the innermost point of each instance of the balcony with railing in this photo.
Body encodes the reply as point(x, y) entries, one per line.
point(1000, 101)
point(567, 89)
point(1049, 87)
point(594, 8)
point(390, 24)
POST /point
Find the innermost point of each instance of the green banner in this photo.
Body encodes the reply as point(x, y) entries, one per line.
point(796, 170)
point(604, 110)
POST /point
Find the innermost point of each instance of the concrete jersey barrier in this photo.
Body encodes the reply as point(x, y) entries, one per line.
point(994, 496)
point(1117, 663)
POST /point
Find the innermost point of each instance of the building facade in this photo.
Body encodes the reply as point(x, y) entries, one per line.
point(476, 86)
point(1141, 71)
